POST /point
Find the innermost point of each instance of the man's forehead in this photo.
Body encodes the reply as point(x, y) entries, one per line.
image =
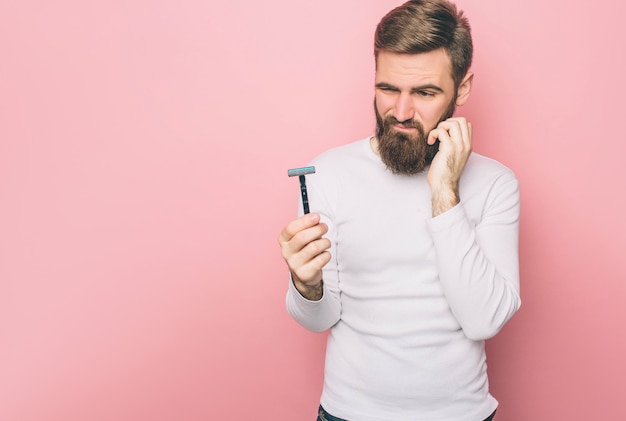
point(433, 66)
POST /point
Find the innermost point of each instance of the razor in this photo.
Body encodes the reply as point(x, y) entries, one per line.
point(301, 172)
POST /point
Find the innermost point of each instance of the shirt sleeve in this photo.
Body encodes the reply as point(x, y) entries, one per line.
point(478, 262)
point(316, 316)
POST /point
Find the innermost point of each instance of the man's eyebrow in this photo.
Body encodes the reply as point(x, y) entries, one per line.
point(385, 85)
point(428, 86)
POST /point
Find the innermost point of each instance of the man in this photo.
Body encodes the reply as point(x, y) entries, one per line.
point(410, 256)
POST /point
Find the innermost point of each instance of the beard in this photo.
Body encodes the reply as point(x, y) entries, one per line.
point(405, 153)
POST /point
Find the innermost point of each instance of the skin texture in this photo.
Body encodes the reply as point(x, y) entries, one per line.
point(409, 88)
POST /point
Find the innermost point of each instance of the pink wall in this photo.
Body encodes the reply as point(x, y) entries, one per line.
point(143, 155)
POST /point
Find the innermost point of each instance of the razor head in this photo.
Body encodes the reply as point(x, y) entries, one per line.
point(300, 171)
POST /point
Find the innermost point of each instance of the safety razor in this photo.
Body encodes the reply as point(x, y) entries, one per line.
point(301, 173)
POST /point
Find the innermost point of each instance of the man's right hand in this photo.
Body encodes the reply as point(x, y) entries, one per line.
point(306, 253)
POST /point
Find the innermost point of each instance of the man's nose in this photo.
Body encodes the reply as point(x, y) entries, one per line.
point(403, 109)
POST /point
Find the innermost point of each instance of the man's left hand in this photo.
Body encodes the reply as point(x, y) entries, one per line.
point(455, 146)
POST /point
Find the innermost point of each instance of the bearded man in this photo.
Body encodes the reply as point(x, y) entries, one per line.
point(410, 256)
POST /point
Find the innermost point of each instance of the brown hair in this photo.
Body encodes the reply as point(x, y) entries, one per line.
point(421, 26)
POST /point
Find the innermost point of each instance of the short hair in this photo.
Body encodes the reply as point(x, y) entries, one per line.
point(421, 26)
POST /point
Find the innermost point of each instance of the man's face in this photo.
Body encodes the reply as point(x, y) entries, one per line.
point(414, 92)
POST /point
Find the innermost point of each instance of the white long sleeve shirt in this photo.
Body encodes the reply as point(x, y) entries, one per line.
point(409, 299)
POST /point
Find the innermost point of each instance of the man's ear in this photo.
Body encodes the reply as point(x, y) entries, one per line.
point(464, 89)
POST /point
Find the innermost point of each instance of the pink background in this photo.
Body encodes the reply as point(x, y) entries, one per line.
point(143, 155)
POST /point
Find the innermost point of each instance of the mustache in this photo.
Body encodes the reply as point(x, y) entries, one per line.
point(409, 123)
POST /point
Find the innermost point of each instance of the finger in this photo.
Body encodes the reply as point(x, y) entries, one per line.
point(297, 225)
point(292, 242)
point(314, 248)
point(302, 238)
point(308, 256)
point(466, 136)
point(440, 133)
point(465, 128)
point(308, 264)
point(319, 261)
point(311, 273)
point(458, 129)
point(455, 131)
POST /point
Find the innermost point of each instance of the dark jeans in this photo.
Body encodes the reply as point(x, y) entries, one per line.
point(322, 415)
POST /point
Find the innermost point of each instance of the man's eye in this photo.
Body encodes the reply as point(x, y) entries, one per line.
point(426, 93)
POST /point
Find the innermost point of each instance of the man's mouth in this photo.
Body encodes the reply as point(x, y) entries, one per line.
point(403, 127)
